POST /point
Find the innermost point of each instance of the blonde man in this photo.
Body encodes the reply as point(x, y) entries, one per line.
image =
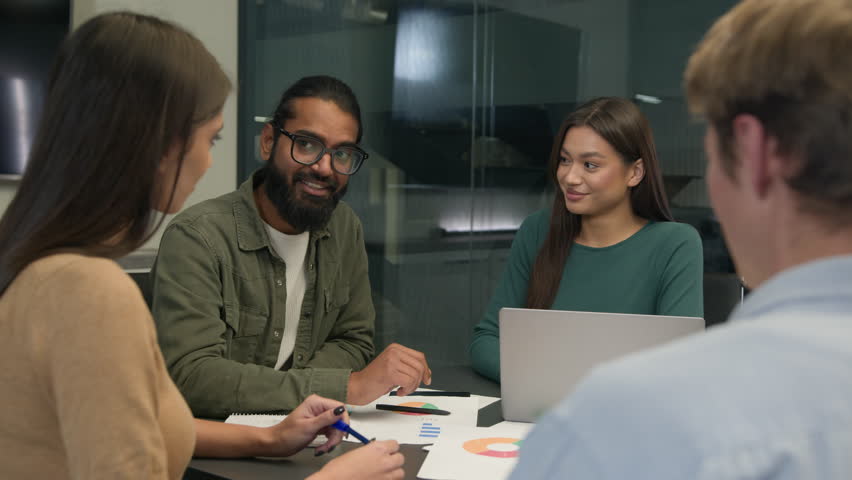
point(768, 396)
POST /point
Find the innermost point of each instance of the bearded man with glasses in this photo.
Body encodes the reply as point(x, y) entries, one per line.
point(261, 297)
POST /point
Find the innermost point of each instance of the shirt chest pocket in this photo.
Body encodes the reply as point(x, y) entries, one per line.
point(334, 300)
point(245, 333)
point(336, 297)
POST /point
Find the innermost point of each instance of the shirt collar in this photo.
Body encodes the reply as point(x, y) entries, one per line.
point(251, 234)
point(823, 279)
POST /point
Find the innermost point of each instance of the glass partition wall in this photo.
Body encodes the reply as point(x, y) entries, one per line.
point(460, 102)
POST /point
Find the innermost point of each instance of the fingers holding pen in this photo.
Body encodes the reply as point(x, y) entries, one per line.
point(334, 435)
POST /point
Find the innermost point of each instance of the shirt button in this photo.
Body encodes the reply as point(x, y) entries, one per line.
point(276, 334)
point(310, 266)
point(299, 357)
point(279, 282)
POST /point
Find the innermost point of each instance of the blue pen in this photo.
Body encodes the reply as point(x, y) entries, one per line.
point(346, 428)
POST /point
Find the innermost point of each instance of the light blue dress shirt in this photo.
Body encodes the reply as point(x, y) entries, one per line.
point(766, 396)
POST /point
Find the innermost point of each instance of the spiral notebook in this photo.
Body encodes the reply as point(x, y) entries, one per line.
point(266, 420)
point(254, 419)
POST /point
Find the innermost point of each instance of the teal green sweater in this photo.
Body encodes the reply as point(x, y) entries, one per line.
point(657, 271)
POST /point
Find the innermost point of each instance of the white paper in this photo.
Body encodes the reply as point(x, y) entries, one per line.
point(415, 429)
point(507, 423)
point(485, 401)
point(474, 453)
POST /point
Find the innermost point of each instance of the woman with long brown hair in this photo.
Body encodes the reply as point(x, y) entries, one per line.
point(134, 105)
point(609, 243)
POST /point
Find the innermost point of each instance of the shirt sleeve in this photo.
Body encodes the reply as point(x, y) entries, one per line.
point(188, 309)
point(511, 292)
point(103, 373)
point(634, 417)
point(682, 285)
point(584, 435)
point(551, 451)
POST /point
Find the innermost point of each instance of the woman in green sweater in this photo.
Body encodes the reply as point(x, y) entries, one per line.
point(609, 243)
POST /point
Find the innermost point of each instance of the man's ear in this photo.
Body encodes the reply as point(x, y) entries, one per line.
point(637, 173)
point(267, 138)
point(753, 149)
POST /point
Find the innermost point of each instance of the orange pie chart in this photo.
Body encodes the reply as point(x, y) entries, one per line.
point(501, 447)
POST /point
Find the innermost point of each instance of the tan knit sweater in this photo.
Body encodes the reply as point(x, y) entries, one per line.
point(84, 391)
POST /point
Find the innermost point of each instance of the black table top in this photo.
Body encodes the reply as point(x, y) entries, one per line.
point(303, 464)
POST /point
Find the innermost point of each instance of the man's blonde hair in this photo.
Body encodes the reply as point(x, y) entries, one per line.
point(788, 63)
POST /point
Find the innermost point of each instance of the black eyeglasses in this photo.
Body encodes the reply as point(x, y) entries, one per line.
point(309, 150)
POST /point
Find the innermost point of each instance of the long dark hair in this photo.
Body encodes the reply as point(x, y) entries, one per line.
point(625, 128)
point(123, 89)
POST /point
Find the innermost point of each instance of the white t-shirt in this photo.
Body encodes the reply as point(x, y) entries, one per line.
point(292, 249)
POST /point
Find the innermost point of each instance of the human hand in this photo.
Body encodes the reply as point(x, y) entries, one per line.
point(376, 460)
point(396, 365)
point(311, 418)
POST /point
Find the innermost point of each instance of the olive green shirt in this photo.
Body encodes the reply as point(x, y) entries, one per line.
point(219, 303)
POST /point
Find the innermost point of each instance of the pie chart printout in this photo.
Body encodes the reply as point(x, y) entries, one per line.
point(501, 447)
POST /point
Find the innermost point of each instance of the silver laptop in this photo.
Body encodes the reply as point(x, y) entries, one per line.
point(544, 353)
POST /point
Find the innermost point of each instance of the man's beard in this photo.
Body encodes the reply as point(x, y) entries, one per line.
point(307, 212)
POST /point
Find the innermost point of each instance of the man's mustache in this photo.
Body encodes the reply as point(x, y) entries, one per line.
point(313, 177)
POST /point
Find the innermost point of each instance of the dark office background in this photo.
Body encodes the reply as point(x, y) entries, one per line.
point(461, 100)
point(30, 34)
